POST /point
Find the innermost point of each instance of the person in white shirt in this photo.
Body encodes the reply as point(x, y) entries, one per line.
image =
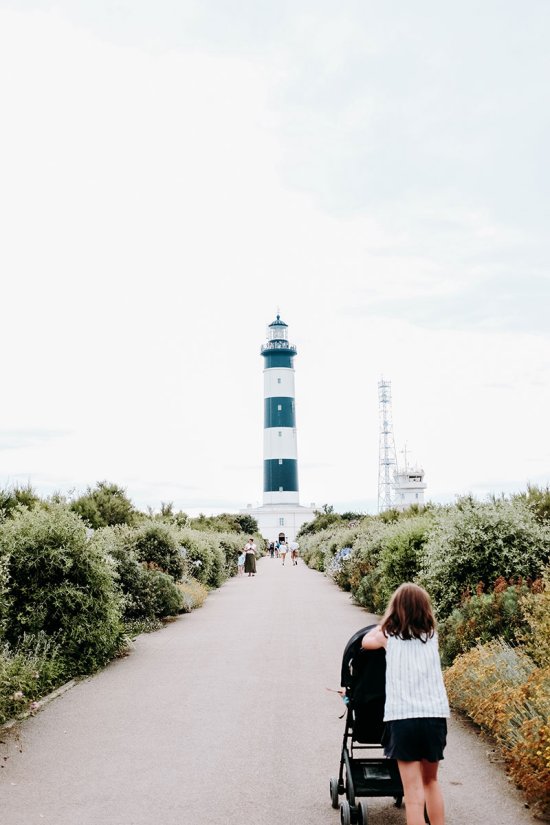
point(283, 550)
point(250, 557)
point(416, 707)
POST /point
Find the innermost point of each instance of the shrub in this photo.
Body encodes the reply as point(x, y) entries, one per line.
point(27, 673)
point(475, 542)
point(230, 545)
point(147, 593)
point(159, 594)
point(400, 556)
point(536, 611)
point(13, 498)
point(205, 556)
point(61, 584)
point(105, 506)
point(312, 553)
point(321, 522)
point(193, 594)
point(501, 689)
point(4, 559)
point(158, 543)
point(362, 568)
point(538, 500)
point(481, 618)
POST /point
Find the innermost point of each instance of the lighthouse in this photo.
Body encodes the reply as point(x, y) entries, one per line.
point(281, 513)
point(280, 451)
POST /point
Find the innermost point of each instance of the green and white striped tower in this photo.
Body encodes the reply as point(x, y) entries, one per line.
point(280, 449)
point(281, 512)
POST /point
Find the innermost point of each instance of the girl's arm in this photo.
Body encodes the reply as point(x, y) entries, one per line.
point(374, 639)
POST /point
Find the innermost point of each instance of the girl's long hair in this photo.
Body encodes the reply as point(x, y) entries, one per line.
point(409, 614)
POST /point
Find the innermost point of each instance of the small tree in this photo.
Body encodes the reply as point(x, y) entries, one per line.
point(538, 499)
point(248, 524)
point(12, 498)
point(105, 506)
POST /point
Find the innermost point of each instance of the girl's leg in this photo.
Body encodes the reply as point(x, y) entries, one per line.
point(432, 792)
point(413, 787)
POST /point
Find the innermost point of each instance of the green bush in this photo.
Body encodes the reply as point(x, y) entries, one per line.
point(535, 607)
point(230, 546)
point(480, 619)
point(13, 498)
point(313, 555)
point(158, 543)
point(366, 593)
point(538, 500)
point(147, 594)
point(4, 559)
point(197, 554)
point(60, 584)
point(400, 557)
point(363, 567)
point(159, 594)
point(105, 506)
point(475, 542)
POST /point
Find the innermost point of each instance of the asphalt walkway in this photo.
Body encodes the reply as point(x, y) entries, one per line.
point(222, 717)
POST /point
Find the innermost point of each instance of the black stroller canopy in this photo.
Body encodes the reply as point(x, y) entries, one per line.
point(364, 677)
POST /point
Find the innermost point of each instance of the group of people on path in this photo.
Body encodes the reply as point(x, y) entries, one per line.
point(246, 563)
point(280, 549)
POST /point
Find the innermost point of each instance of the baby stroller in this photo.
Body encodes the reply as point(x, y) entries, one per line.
point(363, 773)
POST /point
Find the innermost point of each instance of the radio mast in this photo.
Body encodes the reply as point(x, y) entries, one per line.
point(387, 463)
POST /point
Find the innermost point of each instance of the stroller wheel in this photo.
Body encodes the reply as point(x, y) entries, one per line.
point(362, 813)
point(345, 813)
point(334, 792)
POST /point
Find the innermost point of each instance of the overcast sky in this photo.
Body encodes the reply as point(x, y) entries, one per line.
point(174, 172)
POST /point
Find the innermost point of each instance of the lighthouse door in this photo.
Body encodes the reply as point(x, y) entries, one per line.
point(281, 538)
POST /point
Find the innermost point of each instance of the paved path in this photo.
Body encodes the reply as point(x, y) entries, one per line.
point(222, 718)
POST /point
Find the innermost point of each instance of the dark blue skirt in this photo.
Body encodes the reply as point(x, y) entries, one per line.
point(411, 740)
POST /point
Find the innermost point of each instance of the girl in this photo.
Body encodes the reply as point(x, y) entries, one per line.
point(416, 708)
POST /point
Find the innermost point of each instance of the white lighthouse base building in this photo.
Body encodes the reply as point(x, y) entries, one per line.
point(275, 520)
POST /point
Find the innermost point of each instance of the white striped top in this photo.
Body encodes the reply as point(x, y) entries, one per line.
point(414, 682)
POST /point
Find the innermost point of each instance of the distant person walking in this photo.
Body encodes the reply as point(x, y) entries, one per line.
point(294, 551)
point(240, 563)
point(250, 557)
point(416, 707)
point(283, 550)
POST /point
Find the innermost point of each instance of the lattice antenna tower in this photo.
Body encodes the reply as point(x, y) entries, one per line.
point(387, 462)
